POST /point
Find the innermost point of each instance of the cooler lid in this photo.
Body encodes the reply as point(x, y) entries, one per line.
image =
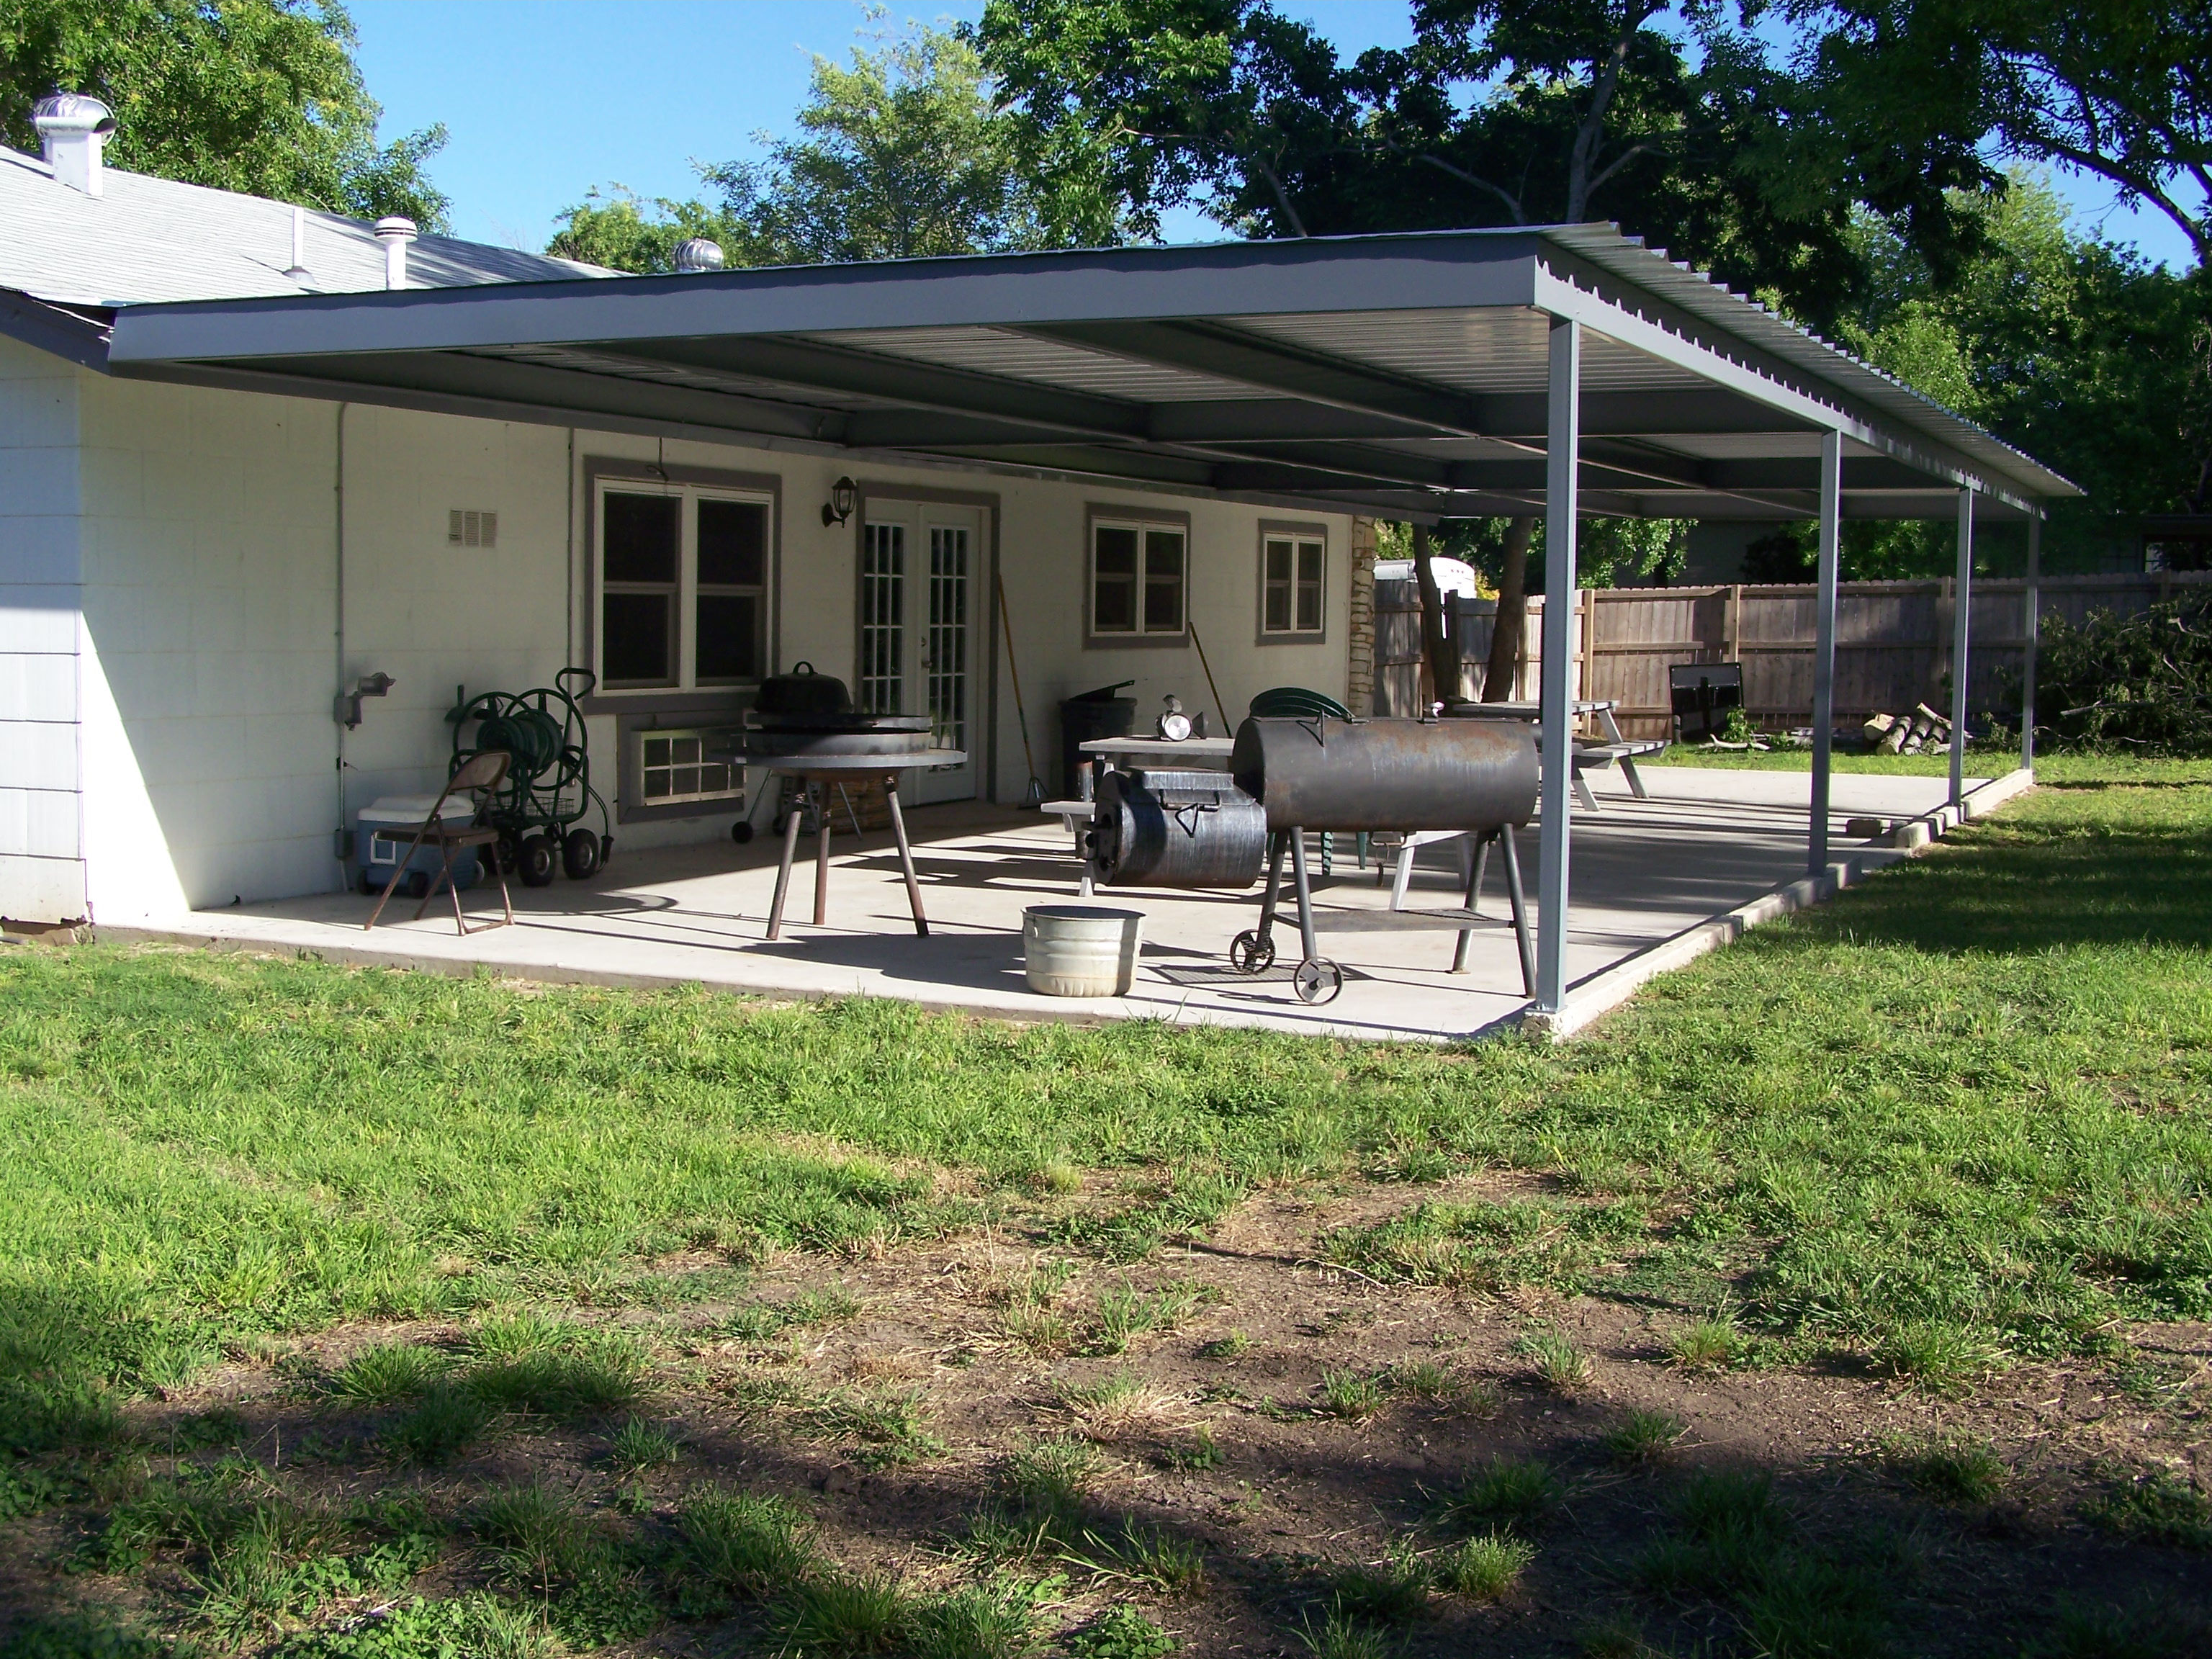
point(413, 809)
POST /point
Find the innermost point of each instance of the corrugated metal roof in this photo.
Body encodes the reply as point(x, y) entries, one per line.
point(146, 239)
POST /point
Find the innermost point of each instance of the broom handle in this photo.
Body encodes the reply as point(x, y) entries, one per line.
point(1220, 707)
point(1021, 709)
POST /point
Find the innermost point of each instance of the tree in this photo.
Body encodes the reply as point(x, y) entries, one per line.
point(900, 155)
point(255, 95)
point(2121, 89)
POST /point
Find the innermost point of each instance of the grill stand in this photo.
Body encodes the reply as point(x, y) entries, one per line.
point(815, 779)
point(1318, 980)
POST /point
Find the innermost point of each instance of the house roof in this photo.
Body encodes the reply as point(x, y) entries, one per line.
point(1402, 374)
point(148, 240)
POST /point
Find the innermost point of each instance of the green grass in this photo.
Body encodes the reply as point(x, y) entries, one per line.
point(1485, 1568)
point(1955, 1118)
point(1505, 1492)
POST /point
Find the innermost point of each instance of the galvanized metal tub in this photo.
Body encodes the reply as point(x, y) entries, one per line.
point(1080, 950)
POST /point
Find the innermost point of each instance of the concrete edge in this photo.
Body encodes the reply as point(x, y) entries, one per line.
point(1603, 992)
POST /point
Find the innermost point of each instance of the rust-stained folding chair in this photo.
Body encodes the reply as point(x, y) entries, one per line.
point(477, 776)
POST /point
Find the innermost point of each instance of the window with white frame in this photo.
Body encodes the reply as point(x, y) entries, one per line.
point(676, 766)
point(683, 586)
point(1293, 569)
point(1139, 574)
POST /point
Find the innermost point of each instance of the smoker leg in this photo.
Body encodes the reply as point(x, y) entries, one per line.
point(1474, 900)
point(1520, 911)
point(820, 795)
point(783, 870)
point(906, 856)
point(1278, 844)
point(1305, 893)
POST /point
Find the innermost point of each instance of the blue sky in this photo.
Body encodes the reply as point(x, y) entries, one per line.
point(545, 99)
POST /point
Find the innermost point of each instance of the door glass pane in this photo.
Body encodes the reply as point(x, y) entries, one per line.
point(729, 644)
point(1163, 582)
point(883, 626)
point(640, 537)
point(732, 544)
point(639, 647)
point(947, 659)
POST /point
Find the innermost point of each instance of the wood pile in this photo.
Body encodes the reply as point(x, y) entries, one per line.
point(1908, 734)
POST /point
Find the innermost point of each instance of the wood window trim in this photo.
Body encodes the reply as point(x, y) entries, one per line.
point(1141, 519)
point(1297, 530)
point(596, 470)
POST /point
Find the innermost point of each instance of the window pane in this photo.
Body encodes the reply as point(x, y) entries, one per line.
point(1163, 582)
point(1309, 562)
point(1163, 554)
point(1117, 552)
point(729, 638)
point(732, 544)
point(639, 540)
point(1113, 606)
point(641, 638)
point(1278, 561)
point(656, 751)
point(1310, 607)
point(1279, 608)
point(656, 784)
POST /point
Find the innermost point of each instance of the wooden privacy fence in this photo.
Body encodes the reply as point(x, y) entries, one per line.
point(1893, 642)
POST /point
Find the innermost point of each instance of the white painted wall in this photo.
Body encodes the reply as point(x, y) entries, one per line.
point(42, 876)
point(211, 601)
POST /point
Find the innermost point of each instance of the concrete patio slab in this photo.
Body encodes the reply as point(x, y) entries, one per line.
point(1645, 871)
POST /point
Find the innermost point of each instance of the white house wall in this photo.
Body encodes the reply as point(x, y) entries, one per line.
point(42, 876)
point(211, 765)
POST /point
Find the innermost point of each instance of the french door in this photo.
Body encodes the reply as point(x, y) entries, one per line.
point(922, 605)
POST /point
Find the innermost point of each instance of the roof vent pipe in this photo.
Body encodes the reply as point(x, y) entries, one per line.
point(395, 233)
point(74, 130)
point(298, 269)
point(698, 254)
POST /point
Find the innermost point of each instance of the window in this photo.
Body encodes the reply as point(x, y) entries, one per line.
point(674, 766)
point(1292, 567)
point(1138, 573)
point(683, 587)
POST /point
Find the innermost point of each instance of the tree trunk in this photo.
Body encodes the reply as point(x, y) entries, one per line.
point(1511, 630)
point(1436, 643)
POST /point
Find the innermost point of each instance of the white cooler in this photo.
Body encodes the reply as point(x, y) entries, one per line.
point(382, 830)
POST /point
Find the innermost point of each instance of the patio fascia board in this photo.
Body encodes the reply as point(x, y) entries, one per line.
point(69, 335)
point(1223, 280)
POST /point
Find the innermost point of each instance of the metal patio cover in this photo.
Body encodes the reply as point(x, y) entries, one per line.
point(1403, 376)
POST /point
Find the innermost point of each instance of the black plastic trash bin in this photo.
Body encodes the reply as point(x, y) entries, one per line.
point(1086, 715)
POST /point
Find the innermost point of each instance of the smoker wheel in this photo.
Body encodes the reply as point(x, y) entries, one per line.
point(1318, 980)
point(1250, 954)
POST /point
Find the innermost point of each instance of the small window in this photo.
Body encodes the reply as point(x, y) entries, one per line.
point(1292, 585)
point(682, 589)
point(675, 767)
point(1139, 575)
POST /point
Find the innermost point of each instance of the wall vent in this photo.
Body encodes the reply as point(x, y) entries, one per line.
point(471, 528)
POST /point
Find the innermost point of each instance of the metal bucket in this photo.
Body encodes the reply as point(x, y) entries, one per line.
point(1080, 950)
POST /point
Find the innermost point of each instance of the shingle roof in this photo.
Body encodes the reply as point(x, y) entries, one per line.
point(148, 239)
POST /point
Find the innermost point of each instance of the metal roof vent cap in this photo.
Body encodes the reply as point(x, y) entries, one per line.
point(74, 130)
point(698, 253)
point(395, 233)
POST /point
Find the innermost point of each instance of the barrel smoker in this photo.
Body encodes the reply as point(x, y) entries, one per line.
point(1286, 777)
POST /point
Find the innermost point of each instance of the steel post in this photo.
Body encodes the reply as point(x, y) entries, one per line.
point(1823, 644)
point(1962, 610)
point(1562, 444)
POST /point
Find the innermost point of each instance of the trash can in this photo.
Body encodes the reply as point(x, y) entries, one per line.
point(1087, 716)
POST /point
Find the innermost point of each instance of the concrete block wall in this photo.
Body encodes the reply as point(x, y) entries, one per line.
point(42, 869)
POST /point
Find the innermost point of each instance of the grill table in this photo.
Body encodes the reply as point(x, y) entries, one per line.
point(815, 774)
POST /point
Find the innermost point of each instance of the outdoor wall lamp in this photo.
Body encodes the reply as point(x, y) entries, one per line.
point(348, 712)
point(844, 495)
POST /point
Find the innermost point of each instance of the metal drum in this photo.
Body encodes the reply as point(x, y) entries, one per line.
point(1163, 828)
point(1326, 773)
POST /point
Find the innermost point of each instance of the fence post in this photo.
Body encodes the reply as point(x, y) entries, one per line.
point(1962, 610)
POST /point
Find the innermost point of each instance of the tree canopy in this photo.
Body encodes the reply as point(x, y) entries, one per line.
point(255, 95)
point(900, 154)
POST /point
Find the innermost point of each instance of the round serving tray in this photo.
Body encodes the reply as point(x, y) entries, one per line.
point(897, 744)
point(848, 721)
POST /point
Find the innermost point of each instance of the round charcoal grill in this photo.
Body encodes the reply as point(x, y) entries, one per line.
point(1289, 776)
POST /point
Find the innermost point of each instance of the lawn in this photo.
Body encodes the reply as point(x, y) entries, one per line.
point(517, 1317)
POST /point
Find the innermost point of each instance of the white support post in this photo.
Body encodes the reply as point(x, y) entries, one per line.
point(1563, 442)
point(2034, 620)
point(1963, 609)
point(1824, 643)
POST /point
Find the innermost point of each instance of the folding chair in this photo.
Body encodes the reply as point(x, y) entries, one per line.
point(477, 776)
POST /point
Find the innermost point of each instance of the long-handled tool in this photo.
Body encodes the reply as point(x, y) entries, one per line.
point(1220, 707)
point(1034, 796)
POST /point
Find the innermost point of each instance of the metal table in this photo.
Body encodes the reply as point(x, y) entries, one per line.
point(815, 773)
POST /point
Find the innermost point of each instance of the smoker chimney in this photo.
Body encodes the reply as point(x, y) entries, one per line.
point(698, 254)
point(395, 233)
point(74, 128)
